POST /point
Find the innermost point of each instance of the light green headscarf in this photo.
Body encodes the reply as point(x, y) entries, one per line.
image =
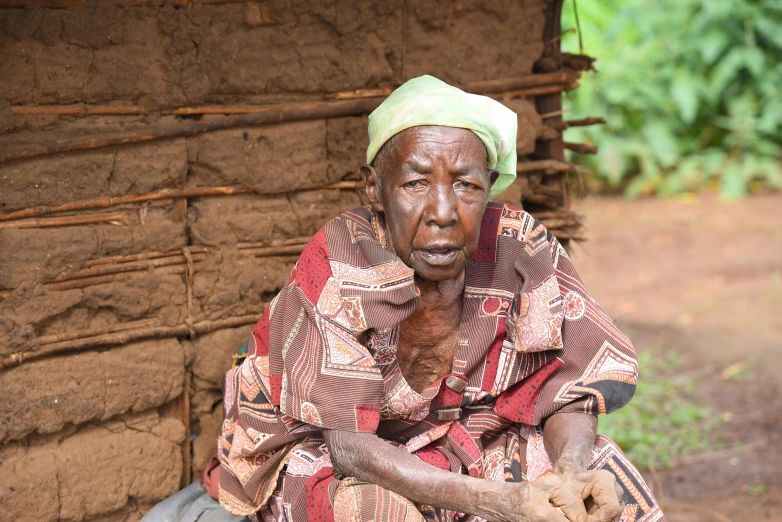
point(428, 101)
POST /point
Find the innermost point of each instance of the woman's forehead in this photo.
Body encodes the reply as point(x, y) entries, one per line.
point(436, 140)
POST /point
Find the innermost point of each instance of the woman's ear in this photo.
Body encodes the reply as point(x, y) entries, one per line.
point(372, 186)
point(493, 176)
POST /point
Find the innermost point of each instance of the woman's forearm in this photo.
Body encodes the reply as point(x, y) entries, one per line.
point(368, 458)
point(568, 438)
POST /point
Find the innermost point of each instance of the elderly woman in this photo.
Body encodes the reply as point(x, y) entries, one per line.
point(433, 356)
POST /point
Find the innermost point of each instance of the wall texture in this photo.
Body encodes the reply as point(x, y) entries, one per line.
point(118, 317)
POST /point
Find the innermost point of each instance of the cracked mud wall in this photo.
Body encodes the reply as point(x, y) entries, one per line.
point(117, 400)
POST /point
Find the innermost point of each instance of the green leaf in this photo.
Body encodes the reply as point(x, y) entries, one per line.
point(711, 45)
point(755, 61)
point(685, 96)
point(662, 143)
point(768, 27)
point(726, 71)
point(613, 161)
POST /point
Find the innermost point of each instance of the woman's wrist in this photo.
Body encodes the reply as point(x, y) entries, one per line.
point(496, 498)
point(566, 465)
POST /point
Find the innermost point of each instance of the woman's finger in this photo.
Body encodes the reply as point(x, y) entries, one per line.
point(569, 504)
point(601, 489)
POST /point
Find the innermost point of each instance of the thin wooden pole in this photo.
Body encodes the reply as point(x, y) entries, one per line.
point(550, 61)
point(113, 219)
point(53, 4)
point(124, 337)
point(550, 166)
point(279, 114)
point(138, 266)
point(113, 278)
point(280, 242)
point(581, 148)
point(359, 93)
point(526, 85)
point(283, 250)
point(78, 110)
point(76, 334)
point(557, 78)
point(532, 91)
point(140, 257)
point(584, 122)
point(107, 201)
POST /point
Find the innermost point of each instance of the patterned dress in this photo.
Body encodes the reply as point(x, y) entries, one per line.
point(532, 342)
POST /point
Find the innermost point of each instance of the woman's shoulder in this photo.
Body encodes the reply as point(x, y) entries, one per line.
point(356, 237)
point(507, 229)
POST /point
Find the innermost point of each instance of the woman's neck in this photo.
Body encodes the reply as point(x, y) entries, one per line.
point(428, 338)
point(439, 295)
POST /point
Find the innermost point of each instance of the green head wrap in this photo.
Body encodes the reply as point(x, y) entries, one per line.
point(428, 101)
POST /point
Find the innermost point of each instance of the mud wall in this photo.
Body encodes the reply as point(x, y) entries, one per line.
point(130, 273)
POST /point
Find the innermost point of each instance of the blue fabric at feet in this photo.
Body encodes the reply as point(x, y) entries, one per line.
point(192, 504)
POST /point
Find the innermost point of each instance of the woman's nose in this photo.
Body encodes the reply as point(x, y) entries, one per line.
point(440, 207)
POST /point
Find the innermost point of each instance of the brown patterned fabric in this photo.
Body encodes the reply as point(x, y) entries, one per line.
point(532, 343)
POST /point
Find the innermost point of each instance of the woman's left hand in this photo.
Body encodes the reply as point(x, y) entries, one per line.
point(598, 489)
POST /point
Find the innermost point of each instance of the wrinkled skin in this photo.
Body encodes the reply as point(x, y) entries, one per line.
point(431, 185)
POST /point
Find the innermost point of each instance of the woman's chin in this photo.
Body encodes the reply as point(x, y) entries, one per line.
point(438, 272)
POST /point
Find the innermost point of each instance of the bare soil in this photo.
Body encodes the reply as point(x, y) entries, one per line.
point(704, 278)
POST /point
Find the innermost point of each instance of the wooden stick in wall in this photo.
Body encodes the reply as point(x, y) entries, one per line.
point(140, 257)
point(581, 148)
point(76, 334)
point(53, 4)
point(550, 166)
point(78, 110)
point(531, 81)
point(138, 266)
point(113, 278)
point(584, 122)
point(278, 114)
point(269, 251)
point(280, 242)
point(68, 221)
point(108, 201)
point(528, 85)
point(124, 337)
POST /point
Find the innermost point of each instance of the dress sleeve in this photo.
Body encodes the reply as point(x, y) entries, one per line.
point(305, 366)
point(311, 360)
point(599, 370)
point(319, 373)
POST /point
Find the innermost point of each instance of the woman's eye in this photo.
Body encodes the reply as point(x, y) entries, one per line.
point(413, 184)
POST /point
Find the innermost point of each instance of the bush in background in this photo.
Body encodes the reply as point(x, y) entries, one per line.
point(691, 90)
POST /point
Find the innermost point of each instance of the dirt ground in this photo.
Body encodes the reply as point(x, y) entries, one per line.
point(704, 278)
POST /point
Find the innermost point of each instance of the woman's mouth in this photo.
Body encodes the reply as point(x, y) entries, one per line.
point(439, 256)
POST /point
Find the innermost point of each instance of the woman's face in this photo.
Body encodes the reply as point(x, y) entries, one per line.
point(433, 187)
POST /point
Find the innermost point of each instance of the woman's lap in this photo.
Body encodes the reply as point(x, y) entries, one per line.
point(354, 501)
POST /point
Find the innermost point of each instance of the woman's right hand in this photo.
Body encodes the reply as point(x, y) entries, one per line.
point(543, 500)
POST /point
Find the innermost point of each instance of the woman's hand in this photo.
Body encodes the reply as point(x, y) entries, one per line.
point(597, 490)
point(569, 438)
point(546, 499)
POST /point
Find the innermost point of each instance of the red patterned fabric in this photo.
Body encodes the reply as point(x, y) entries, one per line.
point(323, 356)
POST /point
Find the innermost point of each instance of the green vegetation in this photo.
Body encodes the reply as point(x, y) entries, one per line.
point(756, 490)
point(663, 421)
point(691, 90)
